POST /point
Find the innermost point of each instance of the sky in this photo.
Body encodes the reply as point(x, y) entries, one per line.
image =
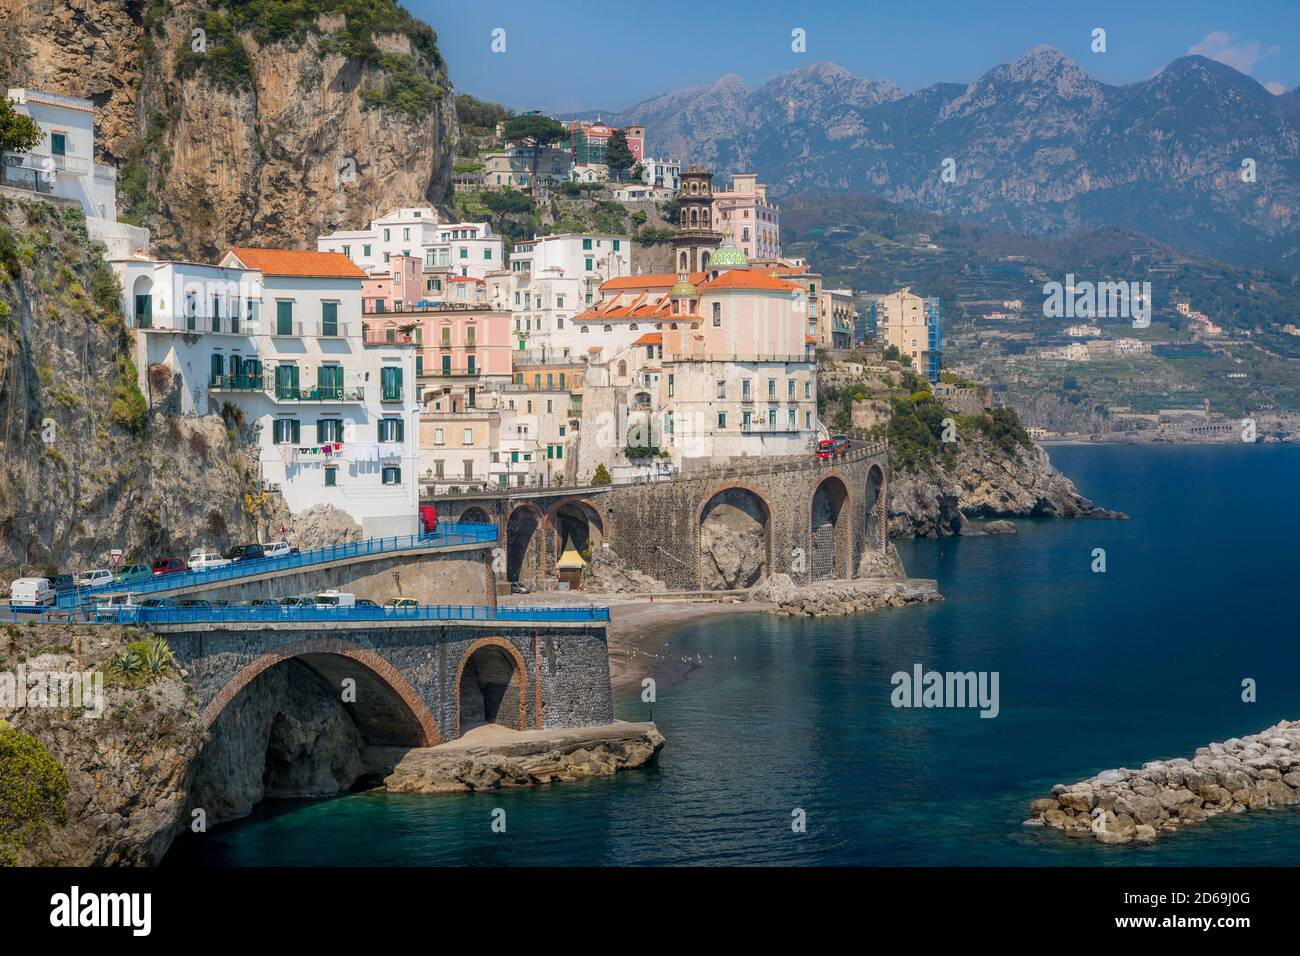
point(581, 55)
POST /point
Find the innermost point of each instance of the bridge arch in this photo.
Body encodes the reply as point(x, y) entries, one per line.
point(830, 540)
point(525, 558)
point(474, 515)
point(577, 520)
point(733, 534)
point(487, 670)
point(388, 709)
point(875, 520)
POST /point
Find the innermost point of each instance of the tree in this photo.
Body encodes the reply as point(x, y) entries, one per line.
point(618, 156)
point(602, 476)
point(18, 133)
point(535, 131)
point(507, 202)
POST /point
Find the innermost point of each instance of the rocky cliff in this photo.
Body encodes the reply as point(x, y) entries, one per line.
point(247, 121)
point(86, 463)
point(981, 480)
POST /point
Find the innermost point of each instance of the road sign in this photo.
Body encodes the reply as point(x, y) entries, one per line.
point(116, 556)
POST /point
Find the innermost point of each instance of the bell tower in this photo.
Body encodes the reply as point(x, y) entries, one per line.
point(695, 240)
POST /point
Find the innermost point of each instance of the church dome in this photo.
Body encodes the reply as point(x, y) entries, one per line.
point(682, 289)
point(728, 256)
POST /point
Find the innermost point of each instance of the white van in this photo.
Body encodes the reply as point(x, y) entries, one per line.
point(206, 561)
point(276, 549)
point(31, 594)
point(336, 599)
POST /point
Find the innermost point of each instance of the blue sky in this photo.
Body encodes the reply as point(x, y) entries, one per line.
point(581, 54)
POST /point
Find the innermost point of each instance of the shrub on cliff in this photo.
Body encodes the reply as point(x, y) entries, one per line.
point(602, 476)
point(33, 792)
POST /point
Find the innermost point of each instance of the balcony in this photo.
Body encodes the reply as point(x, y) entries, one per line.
point(287, 330)
point(318, 393)
point(237, 383)
point(331, 330)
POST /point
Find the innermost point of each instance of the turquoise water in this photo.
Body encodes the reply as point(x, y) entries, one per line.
point(1096, 671)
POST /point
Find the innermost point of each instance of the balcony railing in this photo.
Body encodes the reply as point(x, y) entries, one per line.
point(237, 383)
point(24, 177)
point(332, 330)
point(318, 393)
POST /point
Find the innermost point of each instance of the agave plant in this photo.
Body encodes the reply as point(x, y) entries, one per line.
point(126, 664)
point(156, 657)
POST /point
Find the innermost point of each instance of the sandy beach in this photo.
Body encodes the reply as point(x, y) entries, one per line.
point(639, 629)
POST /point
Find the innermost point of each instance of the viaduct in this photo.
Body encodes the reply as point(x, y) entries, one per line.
point(810, 519)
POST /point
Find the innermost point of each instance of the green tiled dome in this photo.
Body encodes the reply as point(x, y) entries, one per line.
point(728, 256)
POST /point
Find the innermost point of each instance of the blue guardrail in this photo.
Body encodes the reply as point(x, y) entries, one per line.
point(282, 614)
point(447, 535)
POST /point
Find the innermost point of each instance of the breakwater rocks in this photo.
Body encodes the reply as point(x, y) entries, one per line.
point(837, 598)
point(1258, 772)
point(486, 762)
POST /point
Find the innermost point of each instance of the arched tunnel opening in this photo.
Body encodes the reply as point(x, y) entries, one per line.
point(489, 690)
point(307, 727)
point(579, 524)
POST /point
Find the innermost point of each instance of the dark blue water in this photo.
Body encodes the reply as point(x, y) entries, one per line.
point(1096, 670)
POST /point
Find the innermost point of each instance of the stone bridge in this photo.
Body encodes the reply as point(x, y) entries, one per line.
point(724, 528)
point(412, 683)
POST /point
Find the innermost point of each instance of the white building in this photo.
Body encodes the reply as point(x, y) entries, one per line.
point(666, 174)
point(405, 232)
point(277, 334)
point(64, 165)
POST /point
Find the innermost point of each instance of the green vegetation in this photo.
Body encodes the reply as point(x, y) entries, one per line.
point(406, 90)
point(618, 156)
point(505, 203)
point(33, 792)
point(17, 132)
point(128, 408)
point(478, 117)
point(221, 56)
point(142, 661)
point(602, 476)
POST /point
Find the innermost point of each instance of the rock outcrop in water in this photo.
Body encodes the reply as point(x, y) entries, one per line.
point(838, 598)
point(982, 481)
point(1259, 772)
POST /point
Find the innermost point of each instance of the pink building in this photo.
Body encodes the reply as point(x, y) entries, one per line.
point(396, 288)
point(753, 221)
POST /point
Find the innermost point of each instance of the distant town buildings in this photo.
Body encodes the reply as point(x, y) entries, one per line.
point(914, 326)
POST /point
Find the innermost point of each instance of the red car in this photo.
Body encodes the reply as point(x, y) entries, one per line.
point(429, 518)
point(170, 566)
point(825, 449)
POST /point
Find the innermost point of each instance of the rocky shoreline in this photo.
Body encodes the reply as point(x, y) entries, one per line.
point(495, 761)
point(1116, 807)
point(780, 595)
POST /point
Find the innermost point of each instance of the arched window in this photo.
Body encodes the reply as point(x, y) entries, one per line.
point(609, 328)
point(583, 329)
point(632, 327)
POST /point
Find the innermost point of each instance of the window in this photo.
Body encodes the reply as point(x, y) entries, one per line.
point(329, 382)
point(329, 430)
point(59, 144)
point(722, 419)
point(329, 320)
point(487, 254)
point(469, 469)
point(390, 377)
point(464, 252)
point(616, 245)
point(744, 390)
point(717, 315)
point(789, 388)
point(392, 429)
point(218, 368)
point(387, 235)
point(807, 389)
point(771, 417)
point(406, 234)
point(446, 337)
point(471, 367)
point(590, 263)
point(392, 475)
point(789, 417)
point(771, 389)
point(722, 389)
point(670, 386)
point(331, 476)
point(437, 437)
point(468, 438)
point(807, 420)
point(365, 250)
point(286, 381)
point(283, 317)
point(586, 245)
point(287, 431)
point(471, 335)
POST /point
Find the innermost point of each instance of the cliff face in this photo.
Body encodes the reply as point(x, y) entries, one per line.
point(983, 482)
point(86, 464)
point(254, 130)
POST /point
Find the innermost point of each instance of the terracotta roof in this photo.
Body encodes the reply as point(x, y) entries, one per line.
point(745, 279)
point(650, 338)
point(809, 340)
point(297, 262)
point(651, 280)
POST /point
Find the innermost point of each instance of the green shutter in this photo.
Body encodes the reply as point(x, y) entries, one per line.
point(329, 318)
point(320, 430)
point(284, 318)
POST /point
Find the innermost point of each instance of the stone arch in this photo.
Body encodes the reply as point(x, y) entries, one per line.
point(875, 521)
point(474, 515)
point(525, 558)
point(390, 707)
point(579, 520)
point(478, 683)
point(733, 532)
point(141, 301)
point(830, 541)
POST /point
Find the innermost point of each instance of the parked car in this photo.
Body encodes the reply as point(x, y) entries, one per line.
point(841, 444)
point(298, 602)
point(336, 599)
point(206, 561)
point(193, 603)
point(157, 602)
point(31, 594)
point(367, 603)
point(429, 518)
point(64, 582)
point(132, 573)
point(825, 448)
point(115, 605)
point(246, 552)
point(263, 602)
point(95, 578)
point(169, 566)
point(401, 604)
point(278, 549)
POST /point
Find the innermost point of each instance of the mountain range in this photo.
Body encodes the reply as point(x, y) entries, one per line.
point(1036, 146)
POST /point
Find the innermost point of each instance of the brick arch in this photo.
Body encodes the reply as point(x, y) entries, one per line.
point(521, 676)
point(843, 540)
point(876, 510)
point(712, 492)
point(372, 661)
point(504, 532)
point(552, 527)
